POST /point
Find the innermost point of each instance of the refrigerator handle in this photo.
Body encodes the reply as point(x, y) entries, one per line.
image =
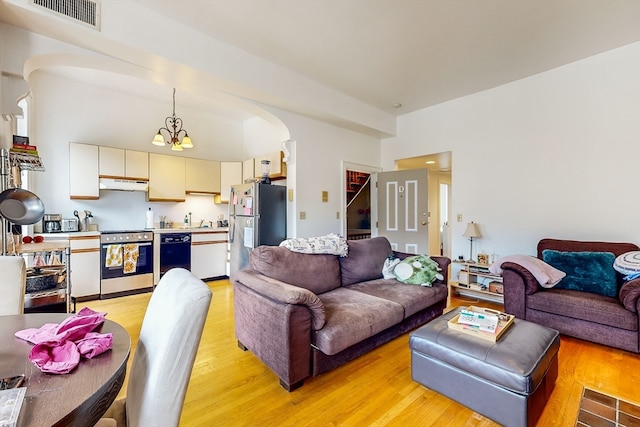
point(232, 220)
point(232, 229)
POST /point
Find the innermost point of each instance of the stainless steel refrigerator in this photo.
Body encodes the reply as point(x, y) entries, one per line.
point(257, 216)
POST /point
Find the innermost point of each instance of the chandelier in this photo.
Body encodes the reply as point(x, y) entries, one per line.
point(173, 127)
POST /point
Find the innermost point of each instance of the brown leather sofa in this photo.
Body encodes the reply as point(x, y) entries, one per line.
point(612, 321)
point(304, 314)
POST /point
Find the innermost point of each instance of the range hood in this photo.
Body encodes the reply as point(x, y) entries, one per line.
point(123, 184)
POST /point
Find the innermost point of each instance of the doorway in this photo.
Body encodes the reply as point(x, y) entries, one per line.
point(357, 200)
point(439, 217)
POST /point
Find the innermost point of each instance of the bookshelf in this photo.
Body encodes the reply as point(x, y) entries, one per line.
point(475, 281)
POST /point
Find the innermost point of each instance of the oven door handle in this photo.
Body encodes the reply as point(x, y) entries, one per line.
point(104, 245)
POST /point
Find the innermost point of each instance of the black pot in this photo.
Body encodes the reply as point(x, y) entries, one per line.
point(40, 280)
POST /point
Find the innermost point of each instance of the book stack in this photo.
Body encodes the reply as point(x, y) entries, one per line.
point(21, 145)
point(483, 321)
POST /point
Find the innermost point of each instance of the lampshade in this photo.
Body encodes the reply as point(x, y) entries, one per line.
point(158, 140)
point(472, 230)
point(176, 147)
point(186, 141)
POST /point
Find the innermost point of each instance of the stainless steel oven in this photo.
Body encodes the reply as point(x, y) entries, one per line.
point(126, 262)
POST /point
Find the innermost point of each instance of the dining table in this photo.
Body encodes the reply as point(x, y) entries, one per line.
point(78, 398)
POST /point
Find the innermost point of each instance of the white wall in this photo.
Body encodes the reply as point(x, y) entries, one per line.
point(320, 149)
point(553, 155)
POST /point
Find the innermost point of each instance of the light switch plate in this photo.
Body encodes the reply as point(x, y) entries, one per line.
point(325, 196)
point(303, 215)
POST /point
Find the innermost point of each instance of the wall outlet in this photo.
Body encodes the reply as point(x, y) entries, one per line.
point(303, 215)
point(459, 217)
point(338, 215)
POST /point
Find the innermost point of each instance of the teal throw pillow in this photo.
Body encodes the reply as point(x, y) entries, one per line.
point(586, 271)
point(417, 270)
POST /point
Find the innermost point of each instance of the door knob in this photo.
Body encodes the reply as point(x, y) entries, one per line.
point(424, 222)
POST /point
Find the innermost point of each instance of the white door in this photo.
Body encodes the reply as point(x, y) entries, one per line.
point(403, 209)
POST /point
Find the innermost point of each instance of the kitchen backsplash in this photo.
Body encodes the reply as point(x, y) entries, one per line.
point(124, 210)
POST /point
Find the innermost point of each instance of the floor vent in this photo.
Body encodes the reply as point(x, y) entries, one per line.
point(84, 11)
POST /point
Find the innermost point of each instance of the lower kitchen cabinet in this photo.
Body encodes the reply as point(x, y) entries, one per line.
point(209, 254)
point(85, 267)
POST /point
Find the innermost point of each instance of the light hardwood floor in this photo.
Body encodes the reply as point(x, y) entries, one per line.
point(230, 387)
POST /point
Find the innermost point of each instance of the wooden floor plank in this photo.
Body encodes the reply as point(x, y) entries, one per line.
point(230, 387)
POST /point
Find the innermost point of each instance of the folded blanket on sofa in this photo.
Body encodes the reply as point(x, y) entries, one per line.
point(331, 244)
point(545, 274)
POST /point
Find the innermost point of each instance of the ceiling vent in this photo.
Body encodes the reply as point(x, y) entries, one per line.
point(86, 12)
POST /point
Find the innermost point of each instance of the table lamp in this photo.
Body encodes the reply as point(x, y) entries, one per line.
point(471, 232)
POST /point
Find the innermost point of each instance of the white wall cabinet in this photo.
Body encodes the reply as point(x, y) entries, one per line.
point(121, 163)
point(85, 267)
point(230, 174)
point(278, 168)
point(209, 254)
point(166, 178)
point(83, 172)
point(202, 176)
point(248, 169)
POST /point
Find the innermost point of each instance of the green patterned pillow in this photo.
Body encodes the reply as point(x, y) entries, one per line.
point(586, 271)
point(417, 270)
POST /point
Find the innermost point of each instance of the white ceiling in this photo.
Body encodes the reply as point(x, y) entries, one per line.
point(412, 52)
point(382, 52)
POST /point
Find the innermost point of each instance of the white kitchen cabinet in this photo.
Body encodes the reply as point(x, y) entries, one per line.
point(230, 174)
point(85, 267)
point(136, 164)
point(248, 169)
point(121, 163)
point(202, 176)
point(111, 162)
point(166, 178)
point(278, 168)
point(209, 254)
point(83, 172)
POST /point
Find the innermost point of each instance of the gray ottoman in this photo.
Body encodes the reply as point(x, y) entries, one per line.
point(508, 381)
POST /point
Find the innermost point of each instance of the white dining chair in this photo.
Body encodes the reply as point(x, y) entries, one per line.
point(165, 354)
point(13, 282)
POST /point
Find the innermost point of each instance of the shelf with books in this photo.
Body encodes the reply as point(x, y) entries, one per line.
point(476, 281)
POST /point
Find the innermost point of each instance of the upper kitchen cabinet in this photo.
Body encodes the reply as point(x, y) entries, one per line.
point(278, 168)
point(248, 170)
point(166, 178)
point(202, 176)
point(121, 163)
point(230, 174)
point(83, 172)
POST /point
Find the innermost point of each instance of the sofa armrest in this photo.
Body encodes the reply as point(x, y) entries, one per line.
point(284, 293)
point(274, 321)
point(630, 295)
point(518, 282)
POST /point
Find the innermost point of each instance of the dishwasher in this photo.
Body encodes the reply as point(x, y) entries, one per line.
point(175, 251)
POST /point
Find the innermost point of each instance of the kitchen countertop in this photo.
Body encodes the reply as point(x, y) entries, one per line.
point(191, 230)
point(67, 235)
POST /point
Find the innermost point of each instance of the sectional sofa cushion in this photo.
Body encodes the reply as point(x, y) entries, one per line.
point(411, 298)
point(365, 260)
point(351, 317)
point(317, 273)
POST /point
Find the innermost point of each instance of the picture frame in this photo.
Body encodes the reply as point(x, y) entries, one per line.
point(483, 259)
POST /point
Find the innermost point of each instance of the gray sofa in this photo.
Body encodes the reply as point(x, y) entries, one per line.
point(305, 314)
point(612, 321)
